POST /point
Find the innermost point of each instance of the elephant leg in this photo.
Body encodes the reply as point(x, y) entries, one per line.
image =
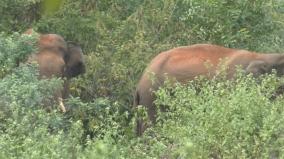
point(140, 127)
point(146, 100)
point(143, 124)
point(66, 91)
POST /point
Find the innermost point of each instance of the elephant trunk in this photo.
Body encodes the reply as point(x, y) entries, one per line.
point(61, 105)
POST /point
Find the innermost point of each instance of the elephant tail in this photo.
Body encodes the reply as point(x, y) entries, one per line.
point(136, 100)
point(139, 122)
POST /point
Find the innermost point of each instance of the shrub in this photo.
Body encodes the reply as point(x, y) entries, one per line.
point(227, 119)
point(18, 15)
point(14, 49)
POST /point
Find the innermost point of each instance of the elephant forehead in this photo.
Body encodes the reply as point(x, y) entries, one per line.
point(52, 40)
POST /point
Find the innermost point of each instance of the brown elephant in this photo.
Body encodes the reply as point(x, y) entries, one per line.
point(185, 63)
point(55, 57)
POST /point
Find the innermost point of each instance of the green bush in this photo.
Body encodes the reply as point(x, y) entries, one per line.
point(14, 49)
point(223, 119)
point(27, 131)
point(18, 15)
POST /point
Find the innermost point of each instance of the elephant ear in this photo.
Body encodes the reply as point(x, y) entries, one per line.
point(258, 68)
point(68, 54)
point(74, 60)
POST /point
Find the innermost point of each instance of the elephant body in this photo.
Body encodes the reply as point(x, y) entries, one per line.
point(57, 58)
point(183, 64)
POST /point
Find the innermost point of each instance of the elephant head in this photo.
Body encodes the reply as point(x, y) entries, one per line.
point(74, 61)
point(266, 65)
point(57, 58)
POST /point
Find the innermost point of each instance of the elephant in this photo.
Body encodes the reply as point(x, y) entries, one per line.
point(57, 58)
point(185, 63)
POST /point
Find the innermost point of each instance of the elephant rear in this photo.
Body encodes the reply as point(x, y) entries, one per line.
point(144, 96)
point(178, 65)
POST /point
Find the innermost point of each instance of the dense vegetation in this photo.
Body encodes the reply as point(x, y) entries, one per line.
point(223, 119)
